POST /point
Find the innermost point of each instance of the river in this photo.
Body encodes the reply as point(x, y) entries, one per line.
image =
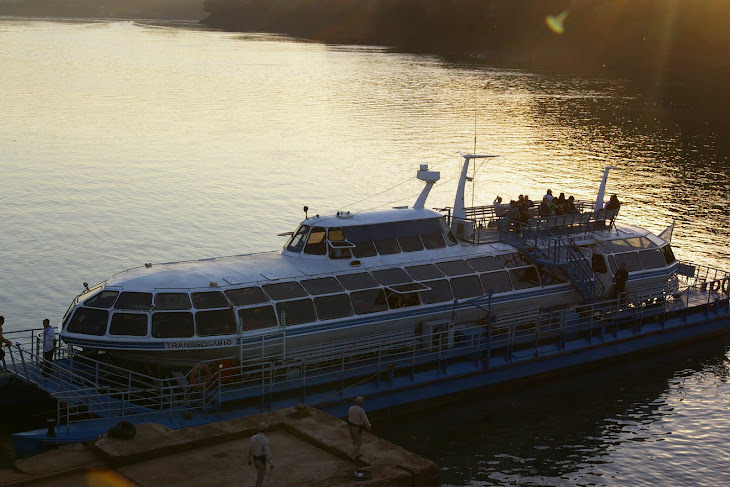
point(132, 142)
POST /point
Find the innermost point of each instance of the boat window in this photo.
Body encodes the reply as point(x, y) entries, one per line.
point(364, 249)
point(246, 295)
point(391, 276)
point(133, 324)
point(668, 254)
point(651, 259)
point(296, 242)
point(466, 287)
point(256, 318)
point(598, 264)
point(483, 264)
point(641, 243)
point(131, 300)
point(450, 238)
point(331, 307)
point(426, 271)
point(209, 299)
point(433, 241)
point(325, 285)
point(524, 277)
point(88, 321)
point(284, 290)
point(172, 301)
point(370, 301)
point(361, 280)
point(172, 325)
point(316, 244)
point(411, 243)
point(455, 268)
point(296, 312)
point(408, 287)
point(631, 259)
point(104, 299)
point(215, 322)
point(550, 276)
point(612, 264)
point(339, 247)
point(403, 300)
point(387, 246)
point(516, 259)
point(613, 246)
point(440, 291)
point(496, 282)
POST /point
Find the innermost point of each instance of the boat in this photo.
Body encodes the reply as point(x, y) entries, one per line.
point(346, 275)
point(399, 305)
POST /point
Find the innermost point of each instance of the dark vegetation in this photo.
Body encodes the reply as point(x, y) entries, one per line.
point(126, 9)
point(681, 45)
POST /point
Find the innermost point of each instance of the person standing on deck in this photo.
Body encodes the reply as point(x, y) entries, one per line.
point(621, 276)
point(3, 340)
point(49, 346)
point(357, 421)
point(259, 454)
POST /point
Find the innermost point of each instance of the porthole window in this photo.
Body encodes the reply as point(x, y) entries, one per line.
point(284, 290)
point(103, 299)
point(361, 280)
point(215, 322)
point(466, 287)
point(370, 301)
point(325, 285)
point(257, 318)
point(131, 324)
point(455, 268)
point(496, 282)
point(524, 277)
point(296, 312)
point(88, 321)
point(211, 299)
point(246, 295)
point(424, 272)
point(440, 291)
point(167, 301)
point(172, 325)
point(131, 300)
point(484, 264)
point(391, 276)
point(331, 307)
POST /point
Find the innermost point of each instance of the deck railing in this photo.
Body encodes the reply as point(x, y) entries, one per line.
point(267, 374)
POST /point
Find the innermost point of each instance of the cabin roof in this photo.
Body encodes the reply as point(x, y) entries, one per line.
point(347, 219)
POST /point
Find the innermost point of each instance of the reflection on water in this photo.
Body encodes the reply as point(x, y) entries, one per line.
point(630, 422)
point(126, 143)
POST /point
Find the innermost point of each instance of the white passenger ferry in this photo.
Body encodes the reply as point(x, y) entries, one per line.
point(360, 274)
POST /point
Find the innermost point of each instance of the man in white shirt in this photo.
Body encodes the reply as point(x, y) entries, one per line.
point(357, 421)
point(499, 208)
point(259, 454)
point(49, 346)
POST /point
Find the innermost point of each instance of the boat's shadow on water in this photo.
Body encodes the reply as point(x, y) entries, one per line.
point(542, 430)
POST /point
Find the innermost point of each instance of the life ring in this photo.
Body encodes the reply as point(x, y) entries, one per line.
point(199, 376)
point(715, 286)
point(726, 285)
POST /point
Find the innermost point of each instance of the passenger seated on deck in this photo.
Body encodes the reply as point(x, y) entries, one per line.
point(529, 202)
point(545, 209)
point(560, 204)
point(613, 203)
point(570, 205)
point(500, 210)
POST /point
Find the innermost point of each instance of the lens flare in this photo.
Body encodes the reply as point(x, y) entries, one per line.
point(555, 22)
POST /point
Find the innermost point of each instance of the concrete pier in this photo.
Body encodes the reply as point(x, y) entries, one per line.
point(308, 448)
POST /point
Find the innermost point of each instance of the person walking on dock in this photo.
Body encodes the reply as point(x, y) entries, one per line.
point(621, 276)
point(357, 421)
point(259, 454)
point(49, 346)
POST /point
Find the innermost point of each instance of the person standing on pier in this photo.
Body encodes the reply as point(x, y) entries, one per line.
point(259, 454)
point(357, 421)
point(49, 346)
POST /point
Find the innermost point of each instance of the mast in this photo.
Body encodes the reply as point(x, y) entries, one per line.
point(429, 177)
point(458, 219)
point(602, 189)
